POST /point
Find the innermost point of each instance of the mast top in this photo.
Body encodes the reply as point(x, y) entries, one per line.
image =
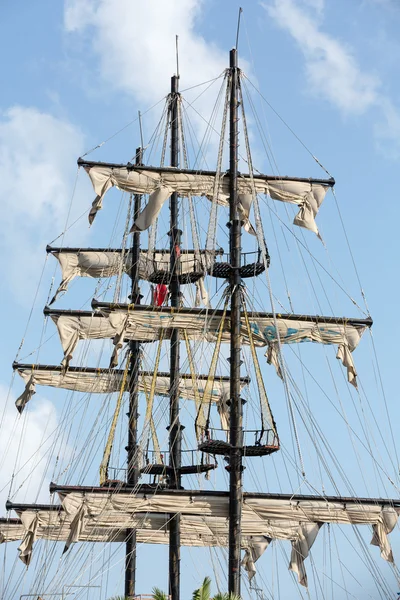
point(175, 84)
point(233, 58)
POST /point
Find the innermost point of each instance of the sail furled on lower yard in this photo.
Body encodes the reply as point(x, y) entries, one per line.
point(265, 517)
point(102, 515)
point(160, 183)
point(105, 381)
point(144, 323)
point(66, 525)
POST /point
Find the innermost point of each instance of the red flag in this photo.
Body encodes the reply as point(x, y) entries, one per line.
point(160, 294)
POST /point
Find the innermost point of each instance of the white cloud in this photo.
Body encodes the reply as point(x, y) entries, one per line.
point(317, 5)
point(28, 457)
point(135, 45)
point(387, 129)
point(135, 42)
point(37, 169)
point(331, 69)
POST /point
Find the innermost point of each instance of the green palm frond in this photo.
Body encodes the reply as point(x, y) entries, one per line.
point(226, 596)
point(203, 593)
point(159, 594)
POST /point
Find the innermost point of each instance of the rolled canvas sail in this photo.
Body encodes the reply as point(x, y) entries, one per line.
point(107, 263)
point(147, 324)
point(151, 528)
point(103, 381)
point(263, 517)
point(103, 516)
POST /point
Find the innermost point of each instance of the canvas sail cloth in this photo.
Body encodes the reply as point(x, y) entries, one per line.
point(263, 518)
point(11, 530)
point(103, 381)
point(160, 184)
point(98, 264)
point(146, 324)
point(81, 526)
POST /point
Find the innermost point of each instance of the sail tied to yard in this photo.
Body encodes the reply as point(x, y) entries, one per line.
point(107, 263)
point(103, 515)
point(106, 381)
point(308, 194)
point(151, 528)
point(124, 509)
point(146, 324)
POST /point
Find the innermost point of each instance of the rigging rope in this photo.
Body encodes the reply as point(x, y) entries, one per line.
point(201, 418)
point(289, 128)
point(124, 253)
point(148, 419)
point(207, 396)
point(212, 225)
point(265, 256)
point(107, 451)
point(267, 418)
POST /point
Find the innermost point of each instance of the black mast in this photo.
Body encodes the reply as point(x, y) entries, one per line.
point(236, 408)
point(134, 368)
point(175, 428)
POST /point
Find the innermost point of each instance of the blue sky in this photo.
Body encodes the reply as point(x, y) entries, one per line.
point(74, 73)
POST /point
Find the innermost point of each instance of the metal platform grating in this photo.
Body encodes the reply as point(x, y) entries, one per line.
point(222, 270)
point(160, 469)
point(183, 278)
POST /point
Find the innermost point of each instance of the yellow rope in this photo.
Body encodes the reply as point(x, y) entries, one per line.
point(207, 396)
point(148, 419)
point(201, 417)
point(107, 451)
point(265, 407)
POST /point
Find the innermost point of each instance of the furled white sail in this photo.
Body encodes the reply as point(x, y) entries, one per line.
point(11, 530)
point(103, 516)
point(146, 324)
point(160, 184)
point(151, 528)
point(102, 381)
point(263, 517)
point(107, 263)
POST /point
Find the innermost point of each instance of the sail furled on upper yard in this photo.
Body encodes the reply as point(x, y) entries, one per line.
point(265, 517)
point(144, 323)
point(105, 381)
point(160, 183)
point(108, 263)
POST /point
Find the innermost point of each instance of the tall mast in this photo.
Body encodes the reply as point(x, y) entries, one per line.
point(175, 428)
point(236, 408)
point(134, 367)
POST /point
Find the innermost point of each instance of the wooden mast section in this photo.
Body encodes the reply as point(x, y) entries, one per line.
point(133, 414)
point(236, 408)
point(175, 427)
